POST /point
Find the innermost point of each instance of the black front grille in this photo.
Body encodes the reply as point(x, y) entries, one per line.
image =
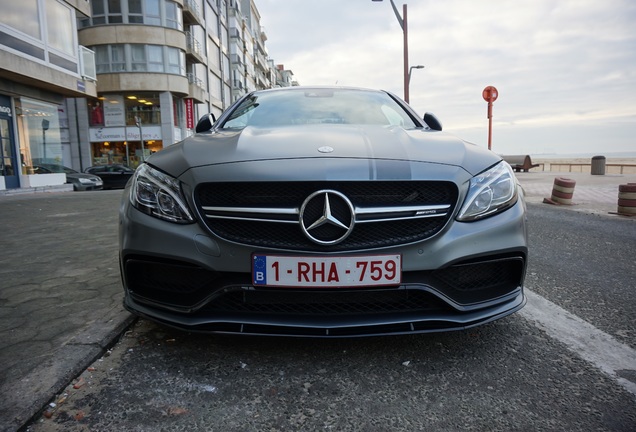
point(285, 231)
point(323, 303)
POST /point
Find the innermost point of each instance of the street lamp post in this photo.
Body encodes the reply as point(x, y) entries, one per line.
point(45, 127)
point(141, 138)
point(403, 20)
point(411, 68)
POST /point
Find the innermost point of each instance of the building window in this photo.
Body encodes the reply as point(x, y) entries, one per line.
point(45, 31)
point(102, 60)
point(139, 58)
point(173, 16)
point(114, 12)
point(143, 106)
point(176, 61)
point(22, 16)
point(153, 14)
point(150, 12)
point(59, 20)
point(155, 58)
point(135, 12)
point(118, 58)
point(39, 125)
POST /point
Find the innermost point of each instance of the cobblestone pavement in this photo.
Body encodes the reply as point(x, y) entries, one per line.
point(592, 193)
point(60, 292)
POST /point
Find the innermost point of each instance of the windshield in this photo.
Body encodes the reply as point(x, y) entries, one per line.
point(318, 106)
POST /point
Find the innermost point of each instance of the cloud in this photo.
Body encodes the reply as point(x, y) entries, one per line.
point(567, 64)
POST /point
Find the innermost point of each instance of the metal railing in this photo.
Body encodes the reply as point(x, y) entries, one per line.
point(610, 168)
point(193, 44)
point(194, 80)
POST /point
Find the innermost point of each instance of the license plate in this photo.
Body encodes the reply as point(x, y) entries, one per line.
point(326, 271)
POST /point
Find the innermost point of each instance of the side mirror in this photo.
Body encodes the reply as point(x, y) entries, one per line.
point(432, 121)
point(205, 123)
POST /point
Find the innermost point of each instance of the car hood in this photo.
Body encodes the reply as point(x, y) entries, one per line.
point(316, 142)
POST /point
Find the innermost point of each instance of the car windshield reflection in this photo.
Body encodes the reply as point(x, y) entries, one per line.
point(318, 107)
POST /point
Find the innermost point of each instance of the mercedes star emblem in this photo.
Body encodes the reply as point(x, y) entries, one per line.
point(327, 217)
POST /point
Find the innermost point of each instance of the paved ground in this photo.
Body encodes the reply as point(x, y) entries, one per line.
point(592, 193)
point(60, 293)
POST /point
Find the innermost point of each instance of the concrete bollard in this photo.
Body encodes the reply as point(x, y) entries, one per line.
point(562, 191)
point(627, 199)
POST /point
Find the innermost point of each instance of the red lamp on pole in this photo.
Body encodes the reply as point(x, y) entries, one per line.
point(490, 94)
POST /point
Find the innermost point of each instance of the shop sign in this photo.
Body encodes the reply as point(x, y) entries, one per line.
point(5, 105)
point(114, 111)
point(124, 133)
point(107, 134)
point(189, 109)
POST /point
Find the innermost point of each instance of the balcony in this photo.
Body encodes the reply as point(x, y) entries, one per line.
point(260, 61)
point(235, 33)
point(237, 85)
point(196, 89)
point(87, 64)
point(191, 13)
point(236, 60)
point(261, 81)
point(194, 49)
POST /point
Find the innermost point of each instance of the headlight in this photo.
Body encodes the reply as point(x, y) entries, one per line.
point(490, 192)
point(85, 180)
point(159, 195)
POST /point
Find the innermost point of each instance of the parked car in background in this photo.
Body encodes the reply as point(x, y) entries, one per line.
point(80, 182)
point(323, 212)
point(113, 176)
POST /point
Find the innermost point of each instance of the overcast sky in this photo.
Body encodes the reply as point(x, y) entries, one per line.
point(565, 69)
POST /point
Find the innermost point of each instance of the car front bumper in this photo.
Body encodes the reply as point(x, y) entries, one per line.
point(182, 276)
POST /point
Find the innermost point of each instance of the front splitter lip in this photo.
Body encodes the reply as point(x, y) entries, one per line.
point(336, 327)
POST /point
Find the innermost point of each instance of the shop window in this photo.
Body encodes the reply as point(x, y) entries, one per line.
point(128, 153)
point(96, 113)
point(39, 130)
point(144, 106)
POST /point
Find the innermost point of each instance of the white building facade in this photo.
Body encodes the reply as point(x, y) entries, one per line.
point(131, 78)
point(41, 64)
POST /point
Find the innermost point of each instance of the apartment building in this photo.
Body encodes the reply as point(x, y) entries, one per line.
point(157, 66)
point(158, 63)
point(42, 64)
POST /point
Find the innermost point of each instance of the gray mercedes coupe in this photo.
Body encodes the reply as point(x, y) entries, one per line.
point(323, 212)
